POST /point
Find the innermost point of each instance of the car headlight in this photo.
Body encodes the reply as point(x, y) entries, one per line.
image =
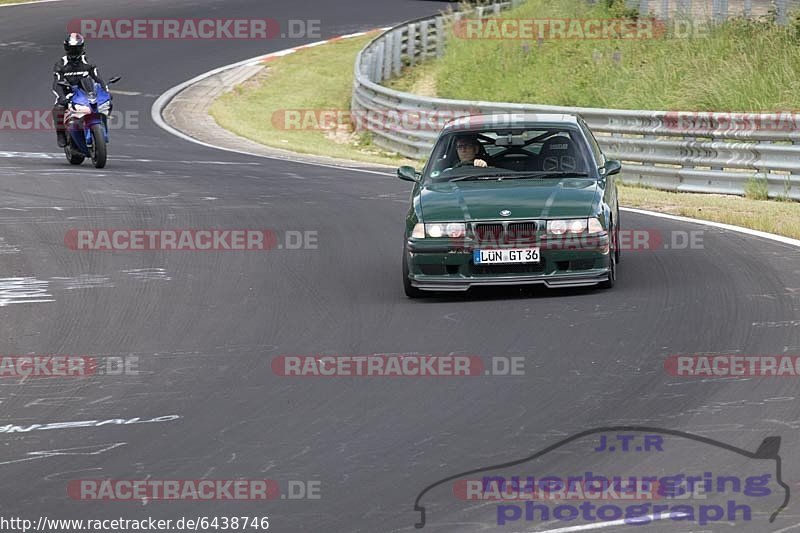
point(595, 226)
point(448, 229)
point(419, 231)
point(574, 226)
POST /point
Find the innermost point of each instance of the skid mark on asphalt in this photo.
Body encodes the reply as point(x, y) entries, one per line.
point(80, 450)
point(6, 248)
point(28, 290)
point(83, 281)
point(24, 290)
point(22, 46)
point(778, 324)
point(148, 274)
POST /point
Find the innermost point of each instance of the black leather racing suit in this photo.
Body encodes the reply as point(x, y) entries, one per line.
point(71, 70)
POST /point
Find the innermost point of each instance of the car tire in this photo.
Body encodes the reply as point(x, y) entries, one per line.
point(617, 251)
point(410, 290)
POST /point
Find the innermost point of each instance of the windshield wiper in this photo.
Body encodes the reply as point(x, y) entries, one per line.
point(478, 177)
point(559, 174)
point(524, 175)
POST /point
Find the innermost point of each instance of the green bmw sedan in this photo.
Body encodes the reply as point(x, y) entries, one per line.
point(512, 199)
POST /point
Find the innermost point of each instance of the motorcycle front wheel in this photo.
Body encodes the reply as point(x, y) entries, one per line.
point(98, 149)
point(74, 158)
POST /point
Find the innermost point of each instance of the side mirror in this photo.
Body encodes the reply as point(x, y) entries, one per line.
point(115, 79)
point(612, 167)
point(407, 173)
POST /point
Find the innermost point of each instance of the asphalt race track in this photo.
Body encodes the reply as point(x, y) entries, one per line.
point(205, 326)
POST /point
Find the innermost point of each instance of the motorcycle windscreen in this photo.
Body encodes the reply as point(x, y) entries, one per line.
point(617, 478)
point(84, 91)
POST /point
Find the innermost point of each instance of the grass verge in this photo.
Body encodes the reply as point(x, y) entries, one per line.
point(781, 218)
point(321, 78)
point(310, 80)
point(738, 65)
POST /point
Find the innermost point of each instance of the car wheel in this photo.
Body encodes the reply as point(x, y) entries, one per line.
point(617, 251)
point(410, 290)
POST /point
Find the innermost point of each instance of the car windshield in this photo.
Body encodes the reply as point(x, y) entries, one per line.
point(519, 153)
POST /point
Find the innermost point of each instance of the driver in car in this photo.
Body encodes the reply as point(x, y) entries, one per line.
point(468, 148)
point(70, 68)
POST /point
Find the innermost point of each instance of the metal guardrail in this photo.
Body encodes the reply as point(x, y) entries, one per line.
point(707, 152)
point(717, 10)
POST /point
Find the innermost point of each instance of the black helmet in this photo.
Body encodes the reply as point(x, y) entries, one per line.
point(74, 45)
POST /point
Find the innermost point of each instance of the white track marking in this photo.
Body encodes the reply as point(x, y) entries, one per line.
point(31, 155)
point(30, 2)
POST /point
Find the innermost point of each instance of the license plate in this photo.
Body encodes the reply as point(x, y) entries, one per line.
point(516, 255)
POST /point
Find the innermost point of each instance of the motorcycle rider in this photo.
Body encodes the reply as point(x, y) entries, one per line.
point(70, 68)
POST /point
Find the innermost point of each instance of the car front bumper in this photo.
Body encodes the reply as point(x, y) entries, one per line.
point(437, 266)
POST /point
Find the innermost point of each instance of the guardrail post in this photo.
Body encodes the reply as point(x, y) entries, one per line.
point(780, 10)
point(411, 44)
point(423, 38)
point(793, 177)
point(397, 51)
point(387, 56)
point(378, 63)
point(440, 35)
point(748, 8)
point(720, 10)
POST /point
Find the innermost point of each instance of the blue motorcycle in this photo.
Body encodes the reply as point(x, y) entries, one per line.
point(86, 121)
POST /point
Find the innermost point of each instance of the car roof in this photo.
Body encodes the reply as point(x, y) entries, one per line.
point(516, 120)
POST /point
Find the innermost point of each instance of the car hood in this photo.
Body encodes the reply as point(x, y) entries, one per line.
point(525, 198)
